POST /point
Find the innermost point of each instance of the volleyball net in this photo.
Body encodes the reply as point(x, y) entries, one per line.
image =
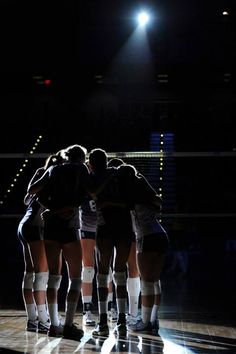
point(192, 184)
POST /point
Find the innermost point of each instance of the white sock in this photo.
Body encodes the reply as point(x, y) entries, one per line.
point(110, 296)
point(133, 289)
point(87, 299)
point(70, 313)
point(146, 314)
point(102, 307)
point(53, 313)
point(42, 313)
point(154, 314)
point(31, 312)
point(120, 303)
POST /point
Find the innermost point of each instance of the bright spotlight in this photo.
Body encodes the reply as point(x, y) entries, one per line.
point(143, 18)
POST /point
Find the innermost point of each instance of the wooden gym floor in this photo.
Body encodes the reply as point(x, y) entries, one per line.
point(196, 316)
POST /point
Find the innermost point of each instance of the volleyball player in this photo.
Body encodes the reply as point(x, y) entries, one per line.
point(152, 244)
point(114, 234)
point(88, 217)
point(67, 187)
point(30, 233)
point(133, 278)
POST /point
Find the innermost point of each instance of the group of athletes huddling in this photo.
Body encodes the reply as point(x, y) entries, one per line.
point(78, 208)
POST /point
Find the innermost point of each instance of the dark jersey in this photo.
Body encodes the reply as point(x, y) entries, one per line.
point(66, 185)
point(113, 214)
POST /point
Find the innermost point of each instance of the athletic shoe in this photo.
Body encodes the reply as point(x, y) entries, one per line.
point(101, 329)
point(56, 331)
point(132, 319)
point(139, 326)
point(112, 315)
point(32, 326)
point(88, 319)
point(43, 327)
point(72, 332)
point(155, 327)
point(120, 330)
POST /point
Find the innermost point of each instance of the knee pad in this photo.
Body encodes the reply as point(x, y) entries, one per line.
point(74, 284)
point(40, 281)
point(28, 280)
point(110, 277)
point(54, 281)
point(157, 287)
point(147, 288)
point(88, 274)
point(102, 280)
point(119, 278)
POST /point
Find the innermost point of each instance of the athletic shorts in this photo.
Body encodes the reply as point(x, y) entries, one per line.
point(60, 232)
point(30, 233)
point(157, 242)
point(134, 237)
point(109, 232)
point(87, 235)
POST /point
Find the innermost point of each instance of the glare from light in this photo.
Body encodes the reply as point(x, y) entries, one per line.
point(48, 348)
point(170, 347)
point(143, 18)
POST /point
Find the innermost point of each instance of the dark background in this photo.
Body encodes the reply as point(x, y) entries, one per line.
point(91, 101)
point(74, 43)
